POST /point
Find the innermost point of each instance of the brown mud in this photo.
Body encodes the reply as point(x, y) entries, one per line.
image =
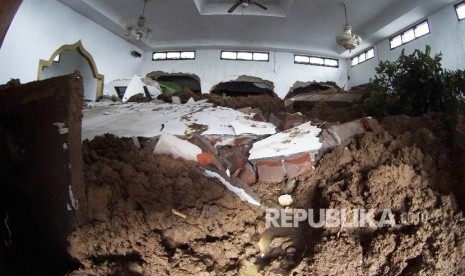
point(267, 103)
point(155, 215)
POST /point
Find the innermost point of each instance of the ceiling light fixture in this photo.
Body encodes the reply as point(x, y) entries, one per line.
point(139, 30)
point(347, 39)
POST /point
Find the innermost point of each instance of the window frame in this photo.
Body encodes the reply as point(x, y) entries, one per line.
point(461, 3)
point(245, 52)
point(166, 55)
point(363, 53)
point(412, 28)
point(316, 64)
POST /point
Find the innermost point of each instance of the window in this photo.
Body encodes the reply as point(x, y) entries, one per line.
point(313, 60)
point(364, 56)
point(173, 55)
point(245, 55)
point(410, 34)
point(56, 58)
point(460, 10)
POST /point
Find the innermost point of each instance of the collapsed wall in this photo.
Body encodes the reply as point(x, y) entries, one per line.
point(191, 81)
point(244, 86)
point(41, 167)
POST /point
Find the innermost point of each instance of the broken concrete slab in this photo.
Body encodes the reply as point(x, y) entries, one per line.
point(172, 145)
point(155, 118)
point(252, 127)
point(286, 154)
point(303, 138)
point(231, 140)
point(217, 120)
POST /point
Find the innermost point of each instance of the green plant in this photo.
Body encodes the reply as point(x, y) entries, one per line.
point(170, 88)
point(415, 84)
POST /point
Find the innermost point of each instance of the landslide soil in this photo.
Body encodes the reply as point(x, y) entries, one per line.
point(405, 165)
point(156, 215)
point(267, 103)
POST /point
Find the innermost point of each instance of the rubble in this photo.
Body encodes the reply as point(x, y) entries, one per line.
point(236, 190)
point(344, 132)
point(286, 154)
point(187, 81)
point(326, 101)
point(169, 144)
point(297, 140)
point(194, 211)
point(244, 85)
point(247, 174)
point(156, 118)
point(175, 219)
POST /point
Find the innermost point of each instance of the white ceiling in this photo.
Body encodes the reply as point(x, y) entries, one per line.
point(300, 26)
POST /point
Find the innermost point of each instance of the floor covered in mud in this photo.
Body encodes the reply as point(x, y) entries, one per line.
point(157, 215)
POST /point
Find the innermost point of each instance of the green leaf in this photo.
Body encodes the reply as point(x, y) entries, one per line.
point(169, 88)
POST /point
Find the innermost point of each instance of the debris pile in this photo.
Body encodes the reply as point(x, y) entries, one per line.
point(155, 214)
point(326, 101)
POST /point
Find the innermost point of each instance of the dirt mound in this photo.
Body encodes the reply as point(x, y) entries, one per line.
point(341, 112)
point(184, 95)
point(267, 103)
point(155, 215)
point(406, 170)
point(139, 98)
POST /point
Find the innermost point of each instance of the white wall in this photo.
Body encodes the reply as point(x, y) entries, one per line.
point(447, 36)
point(280, 69)
point(41, 26)
point(69, 62)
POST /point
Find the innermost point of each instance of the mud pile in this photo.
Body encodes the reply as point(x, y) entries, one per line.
point(404, 166)
point(267, 103)
point(155, 215)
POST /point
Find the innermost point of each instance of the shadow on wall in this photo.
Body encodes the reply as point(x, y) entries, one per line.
point(68, 59)
point(244, 86)
point(190, 81)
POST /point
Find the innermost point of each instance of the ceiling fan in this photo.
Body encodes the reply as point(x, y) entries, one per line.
point(245, 3)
